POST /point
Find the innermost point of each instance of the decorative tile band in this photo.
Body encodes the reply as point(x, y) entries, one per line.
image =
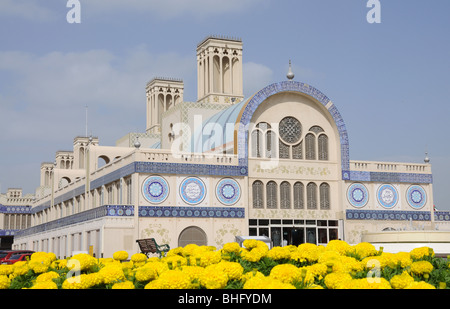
point(191, 212)
point(442, 216)
point(8, 232)
point(91, 214)
point(190, 169)
point(391, 177)
point(15, 209)
point(358, 214)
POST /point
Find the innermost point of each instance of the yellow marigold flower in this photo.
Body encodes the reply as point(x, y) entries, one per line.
point(232, 247)
point(20, 268)
point(420, 253)
point(234, 270)
point(138, 258)
point(120, 255)
point(363, 250)
point(254, 255)
point(258, 282)
point(421, 267)
point(213, 278)
point(329, 256)
point(364, 283)
point(145, 274)
point(155, 284)
point(287, 273)
point(279, 253)
point(333, 280)
point(401, 281)
point(4, 282)
point(81, 261)
point(111, 274)
point(402, 259)
point(48, 276)
point(43, 257)
point(45, 285)
point(251, 274)
point(6, 269)
point(193, 272)
point(59, 264)
point(339, 246)
point(38, 267)
point(208, 258)
point(175, 261)
point(126, 285)
point(318, 271)
point(76, 283)
point(422, 285)
point(307, 253)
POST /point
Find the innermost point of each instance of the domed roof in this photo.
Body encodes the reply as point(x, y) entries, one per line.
point(217, 131)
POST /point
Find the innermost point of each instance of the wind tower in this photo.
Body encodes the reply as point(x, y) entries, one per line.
point(219, 67)
point(162, 94)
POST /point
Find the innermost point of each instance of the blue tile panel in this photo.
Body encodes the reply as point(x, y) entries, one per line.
point(91, 214)
point(275, 88)
point(8, 232)
point(15, 209)
point(442, 216)
point(394, 215)
point(391, 177)
point(191, 212)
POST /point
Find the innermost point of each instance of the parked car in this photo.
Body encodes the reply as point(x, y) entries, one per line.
point(6, 254)
point(17, 256)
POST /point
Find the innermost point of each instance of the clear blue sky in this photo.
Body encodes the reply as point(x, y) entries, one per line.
point(390, 81)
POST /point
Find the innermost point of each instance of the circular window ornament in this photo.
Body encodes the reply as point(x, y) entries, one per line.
point(192, 190)
point(290, 130)
point(357, 195)
point(228, 191)
point(387, 196)
point(416, 197)
point(155, 189)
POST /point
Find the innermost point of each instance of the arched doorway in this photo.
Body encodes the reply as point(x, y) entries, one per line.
point(192, 235)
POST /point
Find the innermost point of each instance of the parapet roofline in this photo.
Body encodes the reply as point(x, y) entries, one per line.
point(220, 37)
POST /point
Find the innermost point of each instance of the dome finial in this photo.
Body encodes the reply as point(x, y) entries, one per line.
point(290, 75)
point(427, 159)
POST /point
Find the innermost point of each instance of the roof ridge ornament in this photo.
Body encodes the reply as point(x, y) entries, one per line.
point(290, 75)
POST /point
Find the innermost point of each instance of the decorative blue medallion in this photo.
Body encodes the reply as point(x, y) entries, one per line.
point(192, 190)
point(387, 196)
point(155, 189)
point(416, 197)
point(357, 195)
point(228, 191)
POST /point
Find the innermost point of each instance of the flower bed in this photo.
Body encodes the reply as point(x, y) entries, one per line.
point(255, 266)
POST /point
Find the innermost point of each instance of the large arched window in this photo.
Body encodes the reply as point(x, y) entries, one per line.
point(324, 196)
point(262, 141)
point(299, 195)
point(311, 195)
point(256, 143)
point(285, 195)
point(271, 195)
point(258, 194)
point(192, 235)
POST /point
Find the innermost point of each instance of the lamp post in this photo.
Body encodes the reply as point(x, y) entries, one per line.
point(87, 185)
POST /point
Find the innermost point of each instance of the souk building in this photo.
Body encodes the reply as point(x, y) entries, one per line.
point(274, 164)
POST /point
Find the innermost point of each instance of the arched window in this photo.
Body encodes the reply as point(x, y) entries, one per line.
point(270, 144)
point(285, 195)
point(256, 143)
point(283, 150)
point(258, 197)
point(271, 194)
point(310, 147)
point(311, 194)
point(323, 147)
point(192, 235)
point(324, 196)
point(299, 196)
point(297, 151)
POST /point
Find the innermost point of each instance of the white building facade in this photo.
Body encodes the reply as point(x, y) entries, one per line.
point(275, 164)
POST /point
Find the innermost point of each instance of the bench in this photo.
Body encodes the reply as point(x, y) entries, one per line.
point(149, 245)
